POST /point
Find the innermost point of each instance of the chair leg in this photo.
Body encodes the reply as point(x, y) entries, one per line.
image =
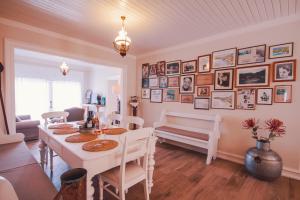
point(146, 189)
point(51, 159)
point(122, 195)
point(101, 184)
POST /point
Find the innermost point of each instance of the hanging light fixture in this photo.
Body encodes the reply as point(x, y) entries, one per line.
point(122, 41)
point(64, 68)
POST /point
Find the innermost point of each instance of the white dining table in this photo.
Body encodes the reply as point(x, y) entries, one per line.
point(94, 162)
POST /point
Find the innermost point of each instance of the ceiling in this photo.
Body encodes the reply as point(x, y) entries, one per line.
point(151, 24)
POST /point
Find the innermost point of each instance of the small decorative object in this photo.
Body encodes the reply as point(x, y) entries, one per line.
point(260, 161)
point(253, 76)
point(223, 79)
point(281, 50)
point(250, 55)
point(122, 41)
point(103, 101)
point(152, 71)
point(156, 96)
point(134, 99)
point(173, 81)
point(264, 96)
point(145, 93)
point(187, 98)
point(171, 95)
point(189, 66)
point(246, 99)
point(204, 79)
point(161, 66)
point(224, 58)
point(145, 83)
point(99, 99)
point(203, 91)
point(201, 103)
point(153, 82)
point(173, 67)
point(145, 70)
point(223, 100)
point(64, 68)
point(284, 71)
point(187, 83)
point(204, 63)
point(163, 82)
point(283, 94)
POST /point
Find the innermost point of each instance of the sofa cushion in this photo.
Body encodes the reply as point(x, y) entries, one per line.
point(18, 119)
point(192, 134)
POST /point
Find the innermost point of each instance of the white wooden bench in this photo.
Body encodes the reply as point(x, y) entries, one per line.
point(199, 137)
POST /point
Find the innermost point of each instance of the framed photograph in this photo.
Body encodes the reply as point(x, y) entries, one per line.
point(187, 83)
point(145, 70)
point(145, 93)
point(161, 68)
point(145, 83)
point(204, 63)
point(281, 50)
point(223, 79)
point(171, 95)
point(152, 71)
point(224, 58)
point(163, 82)
point(283, 94)
point(250, 55)
point(264, 96)
point(187, 98)
point(204, 79)
point(153, 82)
point(201, 103)
point(245, 99)
point(257, 76)
point(173, 81)
point(284, 71)
point(203, 91)
point(189, 66)
point(173, 68)
point(223, 100)
point(156, 95)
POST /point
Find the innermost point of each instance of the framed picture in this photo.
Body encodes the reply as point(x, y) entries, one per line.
point(145, 93)
point(173, 81)
point(204, 79)
point(245, 99)
point(250, 55)
point(223, 100)
point(189, 66)
point(145, 83)
point(156, 95)
point(284, 71)
point(163, 82)
point(153, 82)
point(253, 76)
point(187, 98)
point(187, 83)
point(264, 96)
point(223, 79)
point(173, 67)
point(224, 58)
point(201, 103)
point(152, 70)
point(281, 50)
point(283, 94)
point(203, 91)
point(145, 70)
point(204, 63)
point(171, 95)
point(161, 66)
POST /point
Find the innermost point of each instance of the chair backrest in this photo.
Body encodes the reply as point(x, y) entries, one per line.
point(55, 114)
point(134, 120)
point(113, 117)
point(75, 114)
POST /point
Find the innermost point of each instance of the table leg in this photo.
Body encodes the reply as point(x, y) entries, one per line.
point(89, 187)
point(43, 151)
point(151, 163)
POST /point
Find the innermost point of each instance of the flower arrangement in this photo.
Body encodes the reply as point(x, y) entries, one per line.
point(272, 128)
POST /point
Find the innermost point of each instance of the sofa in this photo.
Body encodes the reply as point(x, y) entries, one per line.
point(27, 126)
point(75, 114)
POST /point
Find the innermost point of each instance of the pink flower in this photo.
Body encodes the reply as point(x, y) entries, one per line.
point(249, 123)
point(275, 126)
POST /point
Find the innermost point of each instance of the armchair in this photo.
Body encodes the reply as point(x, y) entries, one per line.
point(28, 127)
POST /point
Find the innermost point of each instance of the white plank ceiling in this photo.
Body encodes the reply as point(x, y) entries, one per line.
point(151, 24)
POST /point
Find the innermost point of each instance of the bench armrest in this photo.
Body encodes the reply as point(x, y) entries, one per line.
point(27, 124)
point(6, 139)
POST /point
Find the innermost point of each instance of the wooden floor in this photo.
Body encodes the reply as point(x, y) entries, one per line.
point(181, 174)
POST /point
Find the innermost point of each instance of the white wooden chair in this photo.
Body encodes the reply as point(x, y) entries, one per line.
point(134, 120)
point(129, 173)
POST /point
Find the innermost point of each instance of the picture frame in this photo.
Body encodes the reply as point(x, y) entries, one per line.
point(153, 71)
point(173, 81)
point(204, 63)
point(153, 82)
point(163, 82)
point(145, 93)
point(246, 98)
point(187, 84)
point(204, 79)
point(224, 58)
point(156, 95)
point(201, 103)
point(253, 76)
point(171, 95)
point(223, 100)
point(281, 50)
point(173, 68)
point(145, 83)
point(161, 68)
point(188, 67)
point(284, 71)
point(145, 70)
point(264, 96)
point(224, 79)
point(251, 55)
point(203, 91)
point(187, 98)
point(283, 94)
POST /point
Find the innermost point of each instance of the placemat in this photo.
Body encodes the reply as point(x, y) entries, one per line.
point(65, 131)
point(59, 126)
point(100, 145)
point(80, 138)
point(114, 131)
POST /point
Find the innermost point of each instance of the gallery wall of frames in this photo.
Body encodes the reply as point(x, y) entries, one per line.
point(214, 81)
